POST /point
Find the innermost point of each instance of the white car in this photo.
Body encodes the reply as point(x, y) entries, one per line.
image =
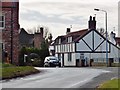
point(51, 61)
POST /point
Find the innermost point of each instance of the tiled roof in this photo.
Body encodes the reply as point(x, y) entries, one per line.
point(77, 35)
point(25, 38)
point(80, 32)
point(74, 35)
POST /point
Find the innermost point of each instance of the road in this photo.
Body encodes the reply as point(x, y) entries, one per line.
point(57, 78)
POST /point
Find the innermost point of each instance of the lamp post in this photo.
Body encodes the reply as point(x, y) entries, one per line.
point(106, 33)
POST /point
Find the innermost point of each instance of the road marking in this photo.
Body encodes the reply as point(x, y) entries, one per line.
point(81, 82)
point(113, 78)
point(106, 71)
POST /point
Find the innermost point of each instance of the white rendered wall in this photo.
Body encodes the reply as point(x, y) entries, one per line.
point(69, 63)
point(119, 19)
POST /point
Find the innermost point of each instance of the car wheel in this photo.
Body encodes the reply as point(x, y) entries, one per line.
point(46, 65)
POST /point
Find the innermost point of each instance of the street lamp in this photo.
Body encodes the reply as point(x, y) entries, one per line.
point(106, 33)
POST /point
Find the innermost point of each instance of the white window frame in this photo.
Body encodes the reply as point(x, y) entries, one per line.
point(73, 47)
point(56, 48)
point(59, 41)
point(69, 39)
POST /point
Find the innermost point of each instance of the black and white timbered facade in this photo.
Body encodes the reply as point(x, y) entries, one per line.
point(85, 44)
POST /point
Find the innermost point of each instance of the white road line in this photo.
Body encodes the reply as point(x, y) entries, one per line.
point(81, 82)
point(113, 78)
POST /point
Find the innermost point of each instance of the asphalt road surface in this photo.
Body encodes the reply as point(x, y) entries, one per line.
point(63, 78)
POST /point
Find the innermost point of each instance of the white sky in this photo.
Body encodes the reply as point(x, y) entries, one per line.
point(58, 15)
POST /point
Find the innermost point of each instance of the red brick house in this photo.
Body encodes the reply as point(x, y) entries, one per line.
point(25, 39)
point(9, 25)
point(31, 40)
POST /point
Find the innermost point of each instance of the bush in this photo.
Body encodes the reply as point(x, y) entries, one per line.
point(37, 63)
point(42, 53)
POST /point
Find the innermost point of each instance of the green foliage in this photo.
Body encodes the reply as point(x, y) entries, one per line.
point(39, 61)
point(13, 72)
point(110, 84)
point(7, 65)
point(44, 45)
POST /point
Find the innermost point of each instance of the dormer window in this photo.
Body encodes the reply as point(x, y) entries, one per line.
point(59, 41)
point(2, 21)
point(69, 39)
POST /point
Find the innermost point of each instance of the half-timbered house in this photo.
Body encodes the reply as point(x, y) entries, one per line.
point(82, 47)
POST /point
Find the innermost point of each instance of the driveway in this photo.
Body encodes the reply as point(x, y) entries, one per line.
point(63, 78)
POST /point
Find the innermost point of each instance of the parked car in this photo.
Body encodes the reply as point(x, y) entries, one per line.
point(51, 61)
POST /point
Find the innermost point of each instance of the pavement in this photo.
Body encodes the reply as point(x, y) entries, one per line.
point(64, 78)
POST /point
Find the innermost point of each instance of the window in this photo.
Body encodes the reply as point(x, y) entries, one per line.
point(64, 47)
point(71, 47)
point(61, 48)
point(69, 39)
point(59, 42)
point(59, 56)
point(82, 56)
point(56, 48)
point(2, 22)
point(69, 57)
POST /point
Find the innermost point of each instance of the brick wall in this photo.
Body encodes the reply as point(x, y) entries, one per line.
point(11, 23)
point(38, 39)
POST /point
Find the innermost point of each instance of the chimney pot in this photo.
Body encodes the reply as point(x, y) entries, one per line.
point(93, 18)
point(90, 18)
point(92, 23)
point(68, 30)
point(41, 30)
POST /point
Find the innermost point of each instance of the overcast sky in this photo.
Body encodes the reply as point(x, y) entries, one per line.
point(58, 15)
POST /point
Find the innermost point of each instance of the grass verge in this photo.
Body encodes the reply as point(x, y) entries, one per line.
point(111, 84)
point(9, 72)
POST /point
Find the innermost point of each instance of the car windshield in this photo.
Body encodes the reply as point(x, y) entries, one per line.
point(53, 58)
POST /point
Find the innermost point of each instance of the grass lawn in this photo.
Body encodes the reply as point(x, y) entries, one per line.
point(9, 71)
point(115, 83)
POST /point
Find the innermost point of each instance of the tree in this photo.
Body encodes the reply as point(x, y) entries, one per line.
point(47, 35)
point(43, 51)
point(103, 32)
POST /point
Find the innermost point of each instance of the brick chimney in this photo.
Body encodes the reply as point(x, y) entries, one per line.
point(38, 38)
point(41, 30)
point(92, 23)
point(68, 30)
